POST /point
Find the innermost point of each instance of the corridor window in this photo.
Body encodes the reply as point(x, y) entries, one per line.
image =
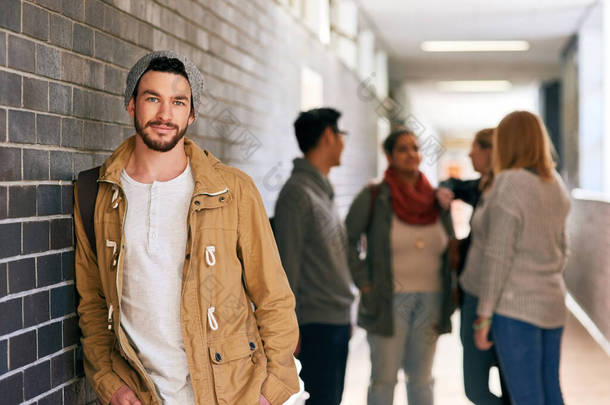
point(312, 89)
point(344, 24)
point(317, 18)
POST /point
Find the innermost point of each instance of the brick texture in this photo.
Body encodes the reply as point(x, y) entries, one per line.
point(60, 99)
point(3, 356)
point(49, 339)
point(36, 308)
point(3, 202)
point(61, 31)
point(36, 24)
point(48, 129)
point(22, 201)
point(10, 89)
point(62, 368)
point(11, 389)
point(22, 350)
point(35, 237)
point(21, 126)
point(48, 270)
point(48, 61)
point(21, 275)
point(2, 123)
point(10, 315)
point(10, 239)
point(37, 379)
point(11, 15)
point(35, 164)
point(21, 54)
point(35, 94)
point(3, 280)
point(48, 200)
point(2, 48)
point(63, 65)
point(52, 399)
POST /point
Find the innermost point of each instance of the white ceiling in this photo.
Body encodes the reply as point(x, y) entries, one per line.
point(403, 25)
point(459, 115)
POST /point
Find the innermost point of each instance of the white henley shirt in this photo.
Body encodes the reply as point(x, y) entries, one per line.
point(155, 242)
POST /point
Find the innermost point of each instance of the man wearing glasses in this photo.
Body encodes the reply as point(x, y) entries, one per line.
point(312, 242)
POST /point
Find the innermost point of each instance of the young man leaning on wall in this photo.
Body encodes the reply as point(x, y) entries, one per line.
point(183, 299)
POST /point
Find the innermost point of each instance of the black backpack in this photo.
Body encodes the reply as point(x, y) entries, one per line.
point(87, 193)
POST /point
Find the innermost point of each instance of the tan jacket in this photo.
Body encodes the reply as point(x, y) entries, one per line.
point(251, 350)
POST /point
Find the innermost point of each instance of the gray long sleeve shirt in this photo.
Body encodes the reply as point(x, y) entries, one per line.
point(312, 242)
point(523, 224)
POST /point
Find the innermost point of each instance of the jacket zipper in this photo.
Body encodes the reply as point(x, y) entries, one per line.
point(136, 362)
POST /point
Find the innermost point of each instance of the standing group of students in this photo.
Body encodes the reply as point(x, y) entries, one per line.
point(403, 257)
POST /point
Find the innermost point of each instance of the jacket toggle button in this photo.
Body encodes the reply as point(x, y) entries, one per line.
point(197, 202)
point(112, 244)
point(218, 357)
point(222, 199)
point(210, 257)
point(188, 256)
point(252, 346)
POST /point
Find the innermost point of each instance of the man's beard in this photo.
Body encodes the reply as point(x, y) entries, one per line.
point(159, 145)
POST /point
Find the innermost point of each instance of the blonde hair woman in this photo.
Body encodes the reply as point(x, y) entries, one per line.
point(521, 295)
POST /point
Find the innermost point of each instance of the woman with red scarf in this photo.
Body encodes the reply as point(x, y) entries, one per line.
point(398, 256)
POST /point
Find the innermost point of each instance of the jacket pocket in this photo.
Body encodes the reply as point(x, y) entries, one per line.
point(237, 379)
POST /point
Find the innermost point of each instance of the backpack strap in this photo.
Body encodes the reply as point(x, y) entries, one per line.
point(374, 189)
point(87, 193)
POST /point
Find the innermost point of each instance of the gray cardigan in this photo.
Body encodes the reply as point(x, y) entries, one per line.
point(375, 309)
point(523, 224)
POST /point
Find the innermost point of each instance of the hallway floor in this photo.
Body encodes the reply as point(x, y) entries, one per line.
point(585, 370)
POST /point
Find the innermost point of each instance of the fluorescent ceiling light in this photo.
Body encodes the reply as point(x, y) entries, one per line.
point(474, 86)
point(475, 46)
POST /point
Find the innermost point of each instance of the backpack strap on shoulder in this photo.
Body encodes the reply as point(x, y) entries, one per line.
point(87, 194)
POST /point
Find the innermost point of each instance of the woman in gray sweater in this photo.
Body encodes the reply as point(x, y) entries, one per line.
point(521, 287)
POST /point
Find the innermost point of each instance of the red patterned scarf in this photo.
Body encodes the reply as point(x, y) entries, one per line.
point(416, 204)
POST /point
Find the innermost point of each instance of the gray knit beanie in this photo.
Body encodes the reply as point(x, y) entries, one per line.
point(195, 77)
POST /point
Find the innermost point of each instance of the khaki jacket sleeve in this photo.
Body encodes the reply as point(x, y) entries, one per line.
point(97, 340)
point(268, 288)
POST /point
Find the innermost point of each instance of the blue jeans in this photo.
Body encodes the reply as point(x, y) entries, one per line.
point(323, 356)
point(412, 347)
point(477, 363)
point(529, 357)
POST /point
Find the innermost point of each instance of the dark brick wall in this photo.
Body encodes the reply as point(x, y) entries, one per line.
point(62, 70)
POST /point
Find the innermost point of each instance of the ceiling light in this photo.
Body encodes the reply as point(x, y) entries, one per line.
point(474, 86)
point(475, 46)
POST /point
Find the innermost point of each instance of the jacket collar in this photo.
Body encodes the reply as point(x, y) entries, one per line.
point(203, 165)
point(303, 166)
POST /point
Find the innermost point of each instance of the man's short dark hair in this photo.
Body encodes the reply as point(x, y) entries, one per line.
point(310, 125)
point(165, 64)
